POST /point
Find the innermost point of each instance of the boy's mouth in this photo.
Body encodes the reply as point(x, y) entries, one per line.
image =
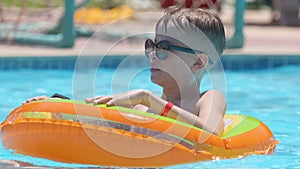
point(154, 70)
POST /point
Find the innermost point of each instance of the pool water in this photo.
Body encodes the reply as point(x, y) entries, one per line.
point(271, 95)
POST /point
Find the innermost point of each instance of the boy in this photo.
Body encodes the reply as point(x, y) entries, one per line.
point(178, 64)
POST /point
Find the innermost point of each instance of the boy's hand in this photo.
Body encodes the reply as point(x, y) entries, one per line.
point(35, 99)
point(128, 99)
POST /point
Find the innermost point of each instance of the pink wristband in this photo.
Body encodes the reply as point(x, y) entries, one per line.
point(166, 109)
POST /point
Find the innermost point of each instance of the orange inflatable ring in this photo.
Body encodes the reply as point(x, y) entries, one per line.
point(75, 132)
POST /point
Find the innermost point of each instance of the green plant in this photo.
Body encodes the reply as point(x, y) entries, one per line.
point(32, 3)
point(105, 4)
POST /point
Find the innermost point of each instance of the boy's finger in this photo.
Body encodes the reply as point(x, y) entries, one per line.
point(102, 100)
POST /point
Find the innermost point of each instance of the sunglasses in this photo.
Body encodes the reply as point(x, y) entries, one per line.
point(163, 47)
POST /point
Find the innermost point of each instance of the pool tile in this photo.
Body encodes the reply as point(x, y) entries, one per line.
point(230, 62)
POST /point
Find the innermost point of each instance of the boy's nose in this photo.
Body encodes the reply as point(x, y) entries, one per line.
point(152, 55)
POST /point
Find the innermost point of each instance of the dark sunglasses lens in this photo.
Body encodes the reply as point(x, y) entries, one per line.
point(161, 54)
point(149, 47)
point(162, 49)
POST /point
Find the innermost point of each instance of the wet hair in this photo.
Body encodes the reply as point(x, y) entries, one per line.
point(206, 21)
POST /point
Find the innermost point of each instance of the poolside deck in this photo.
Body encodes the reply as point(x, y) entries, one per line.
point(261, 38)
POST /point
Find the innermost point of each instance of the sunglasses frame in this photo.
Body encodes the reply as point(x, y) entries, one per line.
point(167, 48)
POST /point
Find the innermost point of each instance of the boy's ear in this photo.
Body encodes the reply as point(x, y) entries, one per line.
point(200, 62)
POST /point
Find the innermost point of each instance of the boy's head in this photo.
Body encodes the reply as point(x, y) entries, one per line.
point(195, 36)
point(194, 27)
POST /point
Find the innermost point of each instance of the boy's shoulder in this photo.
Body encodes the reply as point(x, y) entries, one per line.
point(212, 93)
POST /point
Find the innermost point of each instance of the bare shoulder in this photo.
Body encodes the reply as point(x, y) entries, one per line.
point(213, 95)
point(212, 101)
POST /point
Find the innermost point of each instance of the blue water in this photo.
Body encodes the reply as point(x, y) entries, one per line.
point(271, 95)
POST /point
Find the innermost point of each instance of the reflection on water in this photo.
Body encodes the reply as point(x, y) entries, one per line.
point(6, 164)
point(10, 164)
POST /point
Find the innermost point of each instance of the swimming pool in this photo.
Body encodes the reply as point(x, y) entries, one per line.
point(263, 87)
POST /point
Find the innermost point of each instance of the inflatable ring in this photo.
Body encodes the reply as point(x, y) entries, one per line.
point(75, 132)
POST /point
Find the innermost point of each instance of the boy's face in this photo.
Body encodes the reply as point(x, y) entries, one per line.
point(178, 66)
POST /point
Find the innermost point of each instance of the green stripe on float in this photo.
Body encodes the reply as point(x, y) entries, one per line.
point(248, 123)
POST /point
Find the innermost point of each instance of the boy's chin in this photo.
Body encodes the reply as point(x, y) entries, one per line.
point(158, 81)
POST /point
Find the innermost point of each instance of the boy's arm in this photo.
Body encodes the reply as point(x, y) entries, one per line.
point(211, 109)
